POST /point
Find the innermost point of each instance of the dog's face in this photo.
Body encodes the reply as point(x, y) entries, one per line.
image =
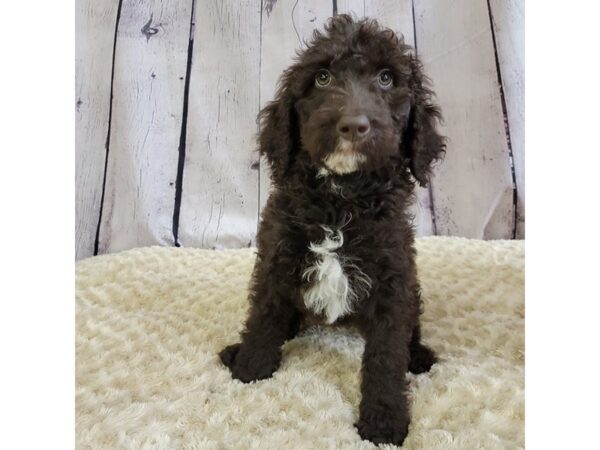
point(355, 100)
point(353, 115)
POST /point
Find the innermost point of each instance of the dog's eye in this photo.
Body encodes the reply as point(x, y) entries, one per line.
point(385, 78)
point(322, 78)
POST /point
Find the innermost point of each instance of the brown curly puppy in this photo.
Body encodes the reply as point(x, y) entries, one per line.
point(351, 129)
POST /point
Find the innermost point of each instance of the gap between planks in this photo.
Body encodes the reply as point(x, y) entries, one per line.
point(506, 124)
point(183, 135)
point(107, 146)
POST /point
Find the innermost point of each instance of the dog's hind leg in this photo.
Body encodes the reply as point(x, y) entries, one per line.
point(421, 357)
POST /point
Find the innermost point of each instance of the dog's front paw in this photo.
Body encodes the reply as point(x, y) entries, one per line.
point(248, 364)
point(227, 355)
point(383, 427)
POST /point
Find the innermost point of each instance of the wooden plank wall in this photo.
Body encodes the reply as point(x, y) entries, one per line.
point(508, 18)
point(95, 32)
point(220, 186)
point(454, 41)
point(148, 87)
point(168, 94)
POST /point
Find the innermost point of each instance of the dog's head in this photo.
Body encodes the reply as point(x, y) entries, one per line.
point(354, 100)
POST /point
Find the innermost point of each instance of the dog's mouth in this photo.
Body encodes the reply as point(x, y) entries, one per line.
point(345, 158)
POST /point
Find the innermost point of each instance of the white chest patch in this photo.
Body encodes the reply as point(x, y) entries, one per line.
point(331, 293)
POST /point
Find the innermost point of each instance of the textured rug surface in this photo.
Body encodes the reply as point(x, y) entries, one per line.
point(150, 322)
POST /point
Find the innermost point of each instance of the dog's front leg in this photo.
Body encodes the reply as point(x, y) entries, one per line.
point(383, 411)
point(269, 324)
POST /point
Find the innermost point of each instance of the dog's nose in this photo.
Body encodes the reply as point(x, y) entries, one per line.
point(353, 128)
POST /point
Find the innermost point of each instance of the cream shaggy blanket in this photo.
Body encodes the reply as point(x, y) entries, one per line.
point(150, 322)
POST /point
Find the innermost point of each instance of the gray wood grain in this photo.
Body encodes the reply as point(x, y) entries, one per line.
point(219, 205)
point(509, 25)
point(472, 189)
point(148, 86)
point(95, 28)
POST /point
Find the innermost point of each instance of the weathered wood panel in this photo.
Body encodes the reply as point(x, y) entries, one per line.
point(472, 190)
point(285, 27)
point(219, 206)
point(95, 30)
point(397, 15)
point(240, 49)
point(148, 86)
point(509, 25)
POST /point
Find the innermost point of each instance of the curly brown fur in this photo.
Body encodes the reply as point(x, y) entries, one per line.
point(346, 148)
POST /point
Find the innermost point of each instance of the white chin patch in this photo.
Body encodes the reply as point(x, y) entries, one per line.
point(344, 159)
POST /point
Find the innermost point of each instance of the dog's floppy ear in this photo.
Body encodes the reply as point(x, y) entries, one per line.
point(423, 145)
point(278, 135)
